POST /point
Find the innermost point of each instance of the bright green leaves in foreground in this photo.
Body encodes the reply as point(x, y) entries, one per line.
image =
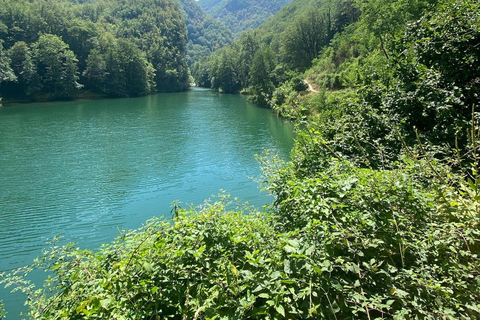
point(347, 243)
point(386, 244)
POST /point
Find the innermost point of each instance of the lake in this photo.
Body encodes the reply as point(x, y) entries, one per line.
point(87, 169)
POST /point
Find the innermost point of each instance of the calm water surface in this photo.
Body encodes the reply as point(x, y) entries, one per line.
point(86, 169)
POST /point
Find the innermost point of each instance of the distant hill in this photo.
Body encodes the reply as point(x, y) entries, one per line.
point(205, 34)
point(240, 15)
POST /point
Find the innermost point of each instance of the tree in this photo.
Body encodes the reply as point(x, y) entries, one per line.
point(155, 30)
point(129, 72)
point(25, 70)
point(248, 46)
point(225, 74)
point(96, 71)
point(261, 86)
point(139, 72)
point(345, 13)
point(6, 72)
point(385, 18)
point(78, 35)
point(304, 40)
point(56, 66)
point(432, 81)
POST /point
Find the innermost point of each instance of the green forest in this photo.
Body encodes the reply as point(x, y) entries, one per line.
point(116, 48)
point(241, 15)
point(51, 49)
point(376, 214)
point(204, 33)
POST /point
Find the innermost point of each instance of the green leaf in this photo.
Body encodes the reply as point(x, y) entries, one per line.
point(317, 270)
point(105, 303)
point(286, 266)
point(280, 309)
point(147, 266)
point(289, 281)
point(289, 249)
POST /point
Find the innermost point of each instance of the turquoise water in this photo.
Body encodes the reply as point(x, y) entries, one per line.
point(87, 169)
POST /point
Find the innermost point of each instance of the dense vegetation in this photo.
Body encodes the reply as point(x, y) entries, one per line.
point(241, 15)
point(377, 213)
point(263, 59)
point(205, 34)
point(49, 49)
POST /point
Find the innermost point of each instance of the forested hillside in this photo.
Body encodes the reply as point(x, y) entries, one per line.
point(262, 59)
point(117, 48)
point(377, 213)
point(205, 34)
point(241, 15)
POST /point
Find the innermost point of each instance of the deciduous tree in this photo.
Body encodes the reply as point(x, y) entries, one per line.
point(56, 66)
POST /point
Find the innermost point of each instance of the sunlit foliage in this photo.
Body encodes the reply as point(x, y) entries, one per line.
point(147, 37)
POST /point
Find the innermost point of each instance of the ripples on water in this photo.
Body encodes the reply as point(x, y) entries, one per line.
point(86, 169)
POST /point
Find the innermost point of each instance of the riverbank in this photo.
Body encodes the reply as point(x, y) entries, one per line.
point(76, 95)
point(80, 95)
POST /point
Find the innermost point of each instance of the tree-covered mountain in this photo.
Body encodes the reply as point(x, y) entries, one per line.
point(205, 34)
point(241, 15)
point(117, 48)
point(262, 59)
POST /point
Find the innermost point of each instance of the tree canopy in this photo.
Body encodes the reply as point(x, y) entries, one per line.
point(296, 35)
point(242, 15)
point(57, 46)
point(205, 34)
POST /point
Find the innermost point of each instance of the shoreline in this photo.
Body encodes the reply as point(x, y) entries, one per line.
point(81, 95)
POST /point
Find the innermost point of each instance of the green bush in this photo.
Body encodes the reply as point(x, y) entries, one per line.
point(368, 222)
point(212, 263)
point(384, 244)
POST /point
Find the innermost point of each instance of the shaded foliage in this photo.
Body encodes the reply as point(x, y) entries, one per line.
point(150, 33)
point(56, 66)
point(6, 72)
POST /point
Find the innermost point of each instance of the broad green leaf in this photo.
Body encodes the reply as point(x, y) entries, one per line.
point(280, 309)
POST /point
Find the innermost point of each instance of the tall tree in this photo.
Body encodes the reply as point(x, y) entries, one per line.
point(95, 73)
point(248, 45)
point(25, 69)
point(304, 40)
point(385, 18)
point(124, 70)
point(225, 75)
point(56, 66)
point(261, 85)
point(6, 72)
